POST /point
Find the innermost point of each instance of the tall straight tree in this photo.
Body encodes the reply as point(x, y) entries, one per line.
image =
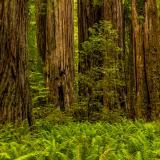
point(57, 50)
point(146, 49)
point(14, 93)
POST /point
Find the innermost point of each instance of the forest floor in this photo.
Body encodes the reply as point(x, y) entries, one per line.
point(81, 141)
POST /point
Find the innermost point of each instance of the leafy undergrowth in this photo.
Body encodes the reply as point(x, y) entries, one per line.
point(81, 141)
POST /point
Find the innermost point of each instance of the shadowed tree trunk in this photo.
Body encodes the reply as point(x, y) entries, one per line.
point(14, 93)
point(130, 74)
point(88, 14)
point(41, 15)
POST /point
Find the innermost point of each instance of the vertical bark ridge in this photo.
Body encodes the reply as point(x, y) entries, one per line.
point(146, 53)
point(14, 93)
point(152, 50)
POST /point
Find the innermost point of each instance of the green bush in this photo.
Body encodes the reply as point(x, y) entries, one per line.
point(100, 76)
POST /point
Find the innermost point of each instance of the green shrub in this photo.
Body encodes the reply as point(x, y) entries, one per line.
point(100, 76)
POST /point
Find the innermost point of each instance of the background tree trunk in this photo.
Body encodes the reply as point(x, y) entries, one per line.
point(113, 12)
point(130, 74)
point(14, 93)
point(88, 14)
point(41, 12)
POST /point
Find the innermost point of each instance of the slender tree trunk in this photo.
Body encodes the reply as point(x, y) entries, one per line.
point(14, 93)
point(130, 75)
point(59, 52)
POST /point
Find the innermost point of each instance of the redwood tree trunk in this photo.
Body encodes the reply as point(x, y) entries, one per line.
point(14, 93)
point(59, 52)
point(142, 94)
point(152, 56)
point(146, 56)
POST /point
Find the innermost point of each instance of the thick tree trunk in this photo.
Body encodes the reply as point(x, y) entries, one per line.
point(152, 56)
point(146, 56)
point(142, 95)
point(14, 93)
point(59, 52)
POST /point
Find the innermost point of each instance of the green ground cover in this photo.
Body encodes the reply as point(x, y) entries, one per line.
point(81, 141)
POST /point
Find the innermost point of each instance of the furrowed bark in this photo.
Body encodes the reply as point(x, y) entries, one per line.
point(59, 52)
point(14, 92)
point(146, 54)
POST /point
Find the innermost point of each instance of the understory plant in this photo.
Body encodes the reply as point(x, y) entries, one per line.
point(101, 76)
point(81, 141)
